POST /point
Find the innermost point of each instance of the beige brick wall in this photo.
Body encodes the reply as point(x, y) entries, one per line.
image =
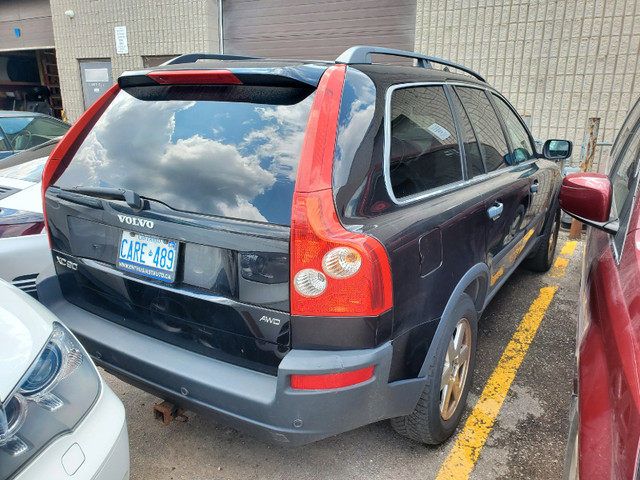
point(559, 62)
point(154, 27)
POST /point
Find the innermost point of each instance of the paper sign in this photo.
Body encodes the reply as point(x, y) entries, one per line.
point(122, 46)
point(439, 131)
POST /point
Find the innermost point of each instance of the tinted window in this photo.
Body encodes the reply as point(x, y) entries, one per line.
point(487, 127)
point(203, 154)
point(475, 166)
point(625, 171)
point(520, 141)
point(625, 131)
point(424, 150)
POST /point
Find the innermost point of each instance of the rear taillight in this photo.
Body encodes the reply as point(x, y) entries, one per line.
point(62, 153)
point(21, 229)
point(334, 272)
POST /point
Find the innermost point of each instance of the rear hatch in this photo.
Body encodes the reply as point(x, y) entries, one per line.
point(172, 216)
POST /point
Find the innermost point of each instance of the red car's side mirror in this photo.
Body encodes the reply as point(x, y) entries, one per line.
point(587, 197)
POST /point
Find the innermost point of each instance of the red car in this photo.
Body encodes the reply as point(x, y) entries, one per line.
point(605, 428)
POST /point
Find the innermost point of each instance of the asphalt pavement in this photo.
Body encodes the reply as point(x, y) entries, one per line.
point(527, 438)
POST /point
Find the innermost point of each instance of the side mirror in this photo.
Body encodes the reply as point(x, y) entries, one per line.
point(587, 197)
point(557, 149)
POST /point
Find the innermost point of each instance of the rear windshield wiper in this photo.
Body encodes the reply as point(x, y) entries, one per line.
point(110, 193)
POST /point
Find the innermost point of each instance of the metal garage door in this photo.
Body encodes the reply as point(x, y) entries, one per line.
point(25, 24)
point(315, 29)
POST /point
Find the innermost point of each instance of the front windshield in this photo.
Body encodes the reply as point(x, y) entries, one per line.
point(28, 132)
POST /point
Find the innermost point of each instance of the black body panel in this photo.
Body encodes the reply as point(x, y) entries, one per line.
point(211, 308)
point(434, 240)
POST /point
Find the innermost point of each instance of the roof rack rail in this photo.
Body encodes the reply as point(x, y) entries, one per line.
point(194, 57)
point(362, 54)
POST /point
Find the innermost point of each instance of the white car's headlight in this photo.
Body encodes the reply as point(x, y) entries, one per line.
point(52, 398)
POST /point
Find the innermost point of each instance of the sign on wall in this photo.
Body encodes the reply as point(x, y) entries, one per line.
point(122, 46)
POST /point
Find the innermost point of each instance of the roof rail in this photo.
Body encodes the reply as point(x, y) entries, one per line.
point(194, 57)
point(362, 54)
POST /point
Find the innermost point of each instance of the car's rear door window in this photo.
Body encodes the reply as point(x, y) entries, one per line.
point(475, 164)
point(520, 141)
point(487, 127)
point(424, 153)
point(231, 153)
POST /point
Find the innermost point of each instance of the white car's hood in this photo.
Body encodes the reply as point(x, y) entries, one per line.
point(25, 327)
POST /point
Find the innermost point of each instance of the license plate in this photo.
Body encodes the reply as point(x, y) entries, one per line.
point(149, 256)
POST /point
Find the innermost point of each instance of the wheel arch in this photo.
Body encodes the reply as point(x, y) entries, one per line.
point(475, 284)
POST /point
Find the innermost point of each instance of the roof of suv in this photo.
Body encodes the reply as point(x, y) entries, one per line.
point(359, 57)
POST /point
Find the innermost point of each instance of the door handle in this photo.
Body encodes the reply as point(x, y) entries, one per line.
point(534, 187)
point(495, 211)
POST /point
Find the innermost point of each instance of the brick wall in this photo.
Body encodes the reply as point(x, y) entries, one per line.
point(154, 28)
point(559, 62)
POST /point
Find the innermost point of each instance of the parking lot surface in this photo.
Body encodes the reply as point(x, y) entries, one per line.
point(527, 438)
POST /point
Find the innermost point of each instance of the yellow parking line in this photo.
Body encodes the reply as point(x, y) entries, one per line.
point(569, 248)
point(559, 267)
point(464, 454)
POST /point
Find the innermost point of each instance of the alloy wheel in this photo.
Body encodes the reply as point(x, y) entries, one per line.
point(455, 369)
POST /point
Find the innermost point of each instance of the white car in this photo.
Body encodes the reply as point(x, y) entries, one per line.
point(58, 419)
point(24, 247)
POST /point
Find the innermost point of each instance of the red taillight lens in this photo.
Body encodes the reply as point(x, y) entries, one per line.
point(61, 155)
point(331, 380)
point(195, 77)
point(355, 277)
point(21, 229)
point(315, 231)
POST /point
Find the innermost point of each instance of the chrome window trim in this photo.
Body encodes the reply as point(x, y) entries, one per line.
point(435, 192)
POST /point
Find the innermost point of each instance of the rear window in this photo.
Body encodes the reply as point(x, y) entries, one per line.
point(227, 151)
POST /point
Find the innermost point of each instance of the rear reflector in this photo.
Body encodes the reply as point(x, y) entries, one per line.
point(195, 77)
point(331, 380)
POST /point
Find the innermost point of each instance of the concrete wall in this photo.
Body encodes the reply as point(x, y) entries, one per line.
point(154, 27)
point(559, 62)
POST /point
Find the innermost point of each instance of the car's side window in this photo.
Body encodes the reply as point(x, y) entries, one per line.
point(520, 141)
point(485, 122)
point(424, 149)
point(624, 157)
point(475, 164)
point(624, 178)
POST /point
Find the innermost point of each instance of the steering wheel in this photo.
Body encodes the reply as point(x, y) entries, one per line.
point(22, 140)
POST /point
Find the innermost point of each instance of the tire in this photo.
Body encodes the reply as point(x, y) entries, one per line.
point(545, 252)
point(442, 402)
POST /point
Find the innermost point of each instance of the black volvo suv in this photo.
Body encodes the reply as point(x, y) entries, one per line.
point(296, 248)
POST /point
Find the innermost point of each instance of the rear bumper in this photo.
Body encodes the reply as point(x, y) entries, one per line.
point(262, 405)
